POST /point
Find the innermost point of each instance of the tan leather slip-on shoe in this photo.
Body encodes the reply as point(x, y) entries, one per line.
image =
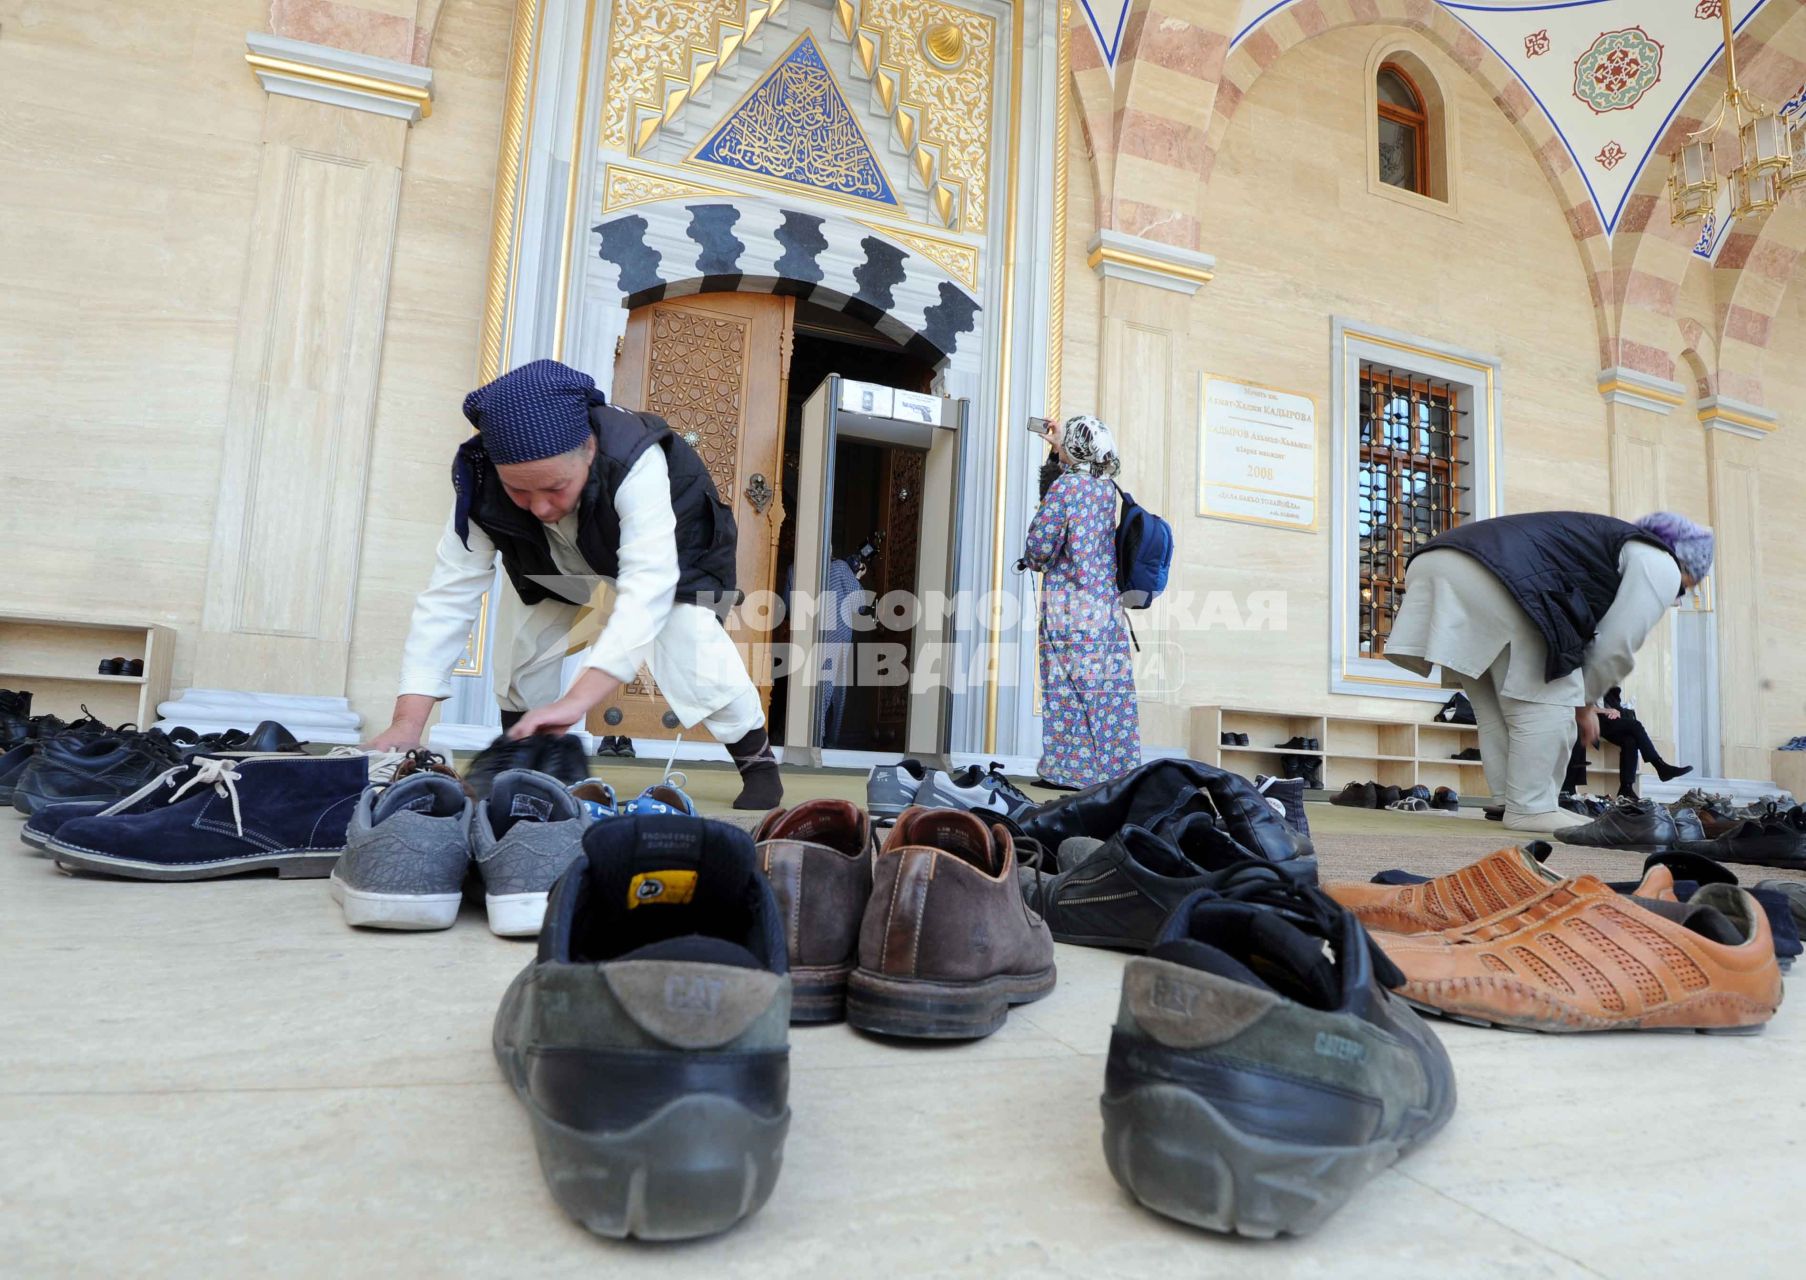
point(1580, 957)
point(948, 944)
point(1498, 882)
point(817, 857)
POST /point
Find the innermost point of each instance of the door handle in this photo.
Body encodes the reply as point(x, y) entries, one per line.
point(759, 493)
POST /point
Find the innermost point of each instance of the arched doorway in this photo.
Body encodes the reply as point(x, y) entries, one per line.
point(730, 371)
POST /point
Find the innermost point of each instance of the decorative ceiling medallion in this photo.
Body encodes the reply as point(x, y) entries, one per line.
point(1610, 154)
point(1708, 10)
point(1536, 44)
point(1619, 68)
point(795, 127)
point(945, 45)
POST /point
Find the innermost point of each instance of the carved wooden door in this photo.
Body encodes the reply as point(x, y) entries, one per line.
point(716, 367)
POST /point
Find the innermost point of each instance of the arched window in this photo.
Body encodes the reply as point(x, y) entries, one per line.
point(1404, 131)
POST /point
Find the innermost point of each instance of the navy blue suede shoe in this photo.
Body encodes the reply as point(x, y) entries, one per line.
point(283, 813)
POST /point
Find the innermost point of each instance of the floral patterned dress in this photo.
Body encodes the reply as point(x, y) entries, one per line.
point(1090, 728)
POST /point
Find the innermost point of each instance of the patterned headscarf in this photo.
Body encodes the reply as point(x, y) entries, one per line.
point(1090, 445)
point(537, 411)
point(1691, 543)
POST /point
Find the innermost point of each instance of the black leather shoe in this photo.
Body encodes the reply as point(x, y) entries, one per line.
point(1778, 839)
point(560, 755)
point(1447, 799)
point(1469, 754)
point(1642, 826)
point(76, 768)
point(1356, 795)
point(1294, 744)
point(1385, 797)
point(134, 668)
point(112, 666)
point(15, 716)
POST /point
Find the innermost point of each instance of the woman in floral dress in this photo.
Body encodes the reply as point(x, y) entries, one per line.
point(1090, 728)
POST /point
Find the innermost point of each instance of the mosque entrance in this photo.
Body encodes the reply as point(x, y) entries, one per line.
point(730, 372)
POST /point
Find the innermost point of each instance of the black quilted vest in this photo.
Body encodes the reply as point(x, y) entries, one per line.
point(1560, 566)
point(706, 538)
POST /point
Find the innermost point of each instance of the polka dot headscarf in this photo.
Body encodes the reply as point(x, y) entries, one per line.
point(539, 410)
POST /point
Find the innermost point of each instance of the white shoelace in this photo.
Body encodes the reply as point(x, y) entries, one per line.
point(223, 778)
point(383, 764)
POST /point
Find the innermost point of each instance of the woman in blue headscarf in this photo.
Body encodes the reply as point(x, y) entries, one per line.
point(1090, 726)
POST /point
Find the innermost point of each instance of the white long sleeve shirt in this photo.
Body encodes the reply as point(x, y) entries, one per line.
point(644, 586)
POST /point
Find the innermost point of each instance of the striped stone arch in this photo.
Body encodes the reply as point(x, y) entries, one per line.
point(1651, 256)
point(1296, 23)
point(705, 244)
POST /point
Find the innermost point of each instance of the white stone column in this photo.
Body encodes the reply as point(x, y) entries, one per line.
point(289, 520)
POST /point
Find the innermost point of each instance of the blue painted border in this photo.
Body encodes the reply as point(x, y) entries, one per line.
point(1112, 47)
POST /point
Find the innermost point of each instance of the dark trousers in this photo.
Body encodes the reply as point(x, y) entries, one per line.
point(1632, 740)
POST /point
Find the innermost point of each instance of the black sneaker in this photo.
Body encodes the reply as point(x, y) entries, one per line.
point(72, 768)
point(1260, 1071)
point(649, 1041)
point(1115, 892)
point(1642, 826)
point(1288, 795)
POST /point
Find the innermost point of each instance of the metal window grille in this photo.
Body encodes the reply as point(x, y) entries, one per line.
point(1413, 485)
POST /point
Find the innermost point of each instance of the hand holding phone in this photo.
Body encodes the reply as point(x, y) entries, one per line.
point(1040, 426)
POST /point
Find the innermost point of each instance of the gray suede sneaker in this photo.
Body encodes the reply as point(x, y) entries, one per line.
point(891, 788)
point(406, 854)
point(649, 1041)
point(525, 833)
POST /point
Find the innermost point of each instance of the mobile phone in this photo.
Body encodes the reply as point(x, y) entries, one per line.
point(1040, 426)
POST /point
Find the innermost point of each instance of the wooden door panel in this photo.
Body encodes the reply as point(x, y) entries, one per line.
point(715, 366)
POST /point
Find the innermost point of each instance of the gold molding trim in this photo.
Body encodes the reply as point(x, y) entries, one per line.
point(1005, 400)
point(345, 80)
point(579, 127)
point(1740, 419)
point(960, 260)
point(1638, 389)
point(1123, 258)
point(505, 226)
point(623, 187)
point(697, 62)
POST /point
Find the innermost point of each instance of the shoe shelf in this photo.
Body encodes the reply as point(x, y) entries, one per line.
point(58, 660)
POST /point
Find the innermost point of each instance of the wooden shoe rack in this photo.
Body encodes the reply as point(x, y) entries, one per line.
point(1356, 749)
point(58, 660)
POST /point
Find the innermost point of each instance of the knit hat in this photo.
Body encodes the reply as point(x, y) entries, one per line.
point(537, 411)
point(1691, 543)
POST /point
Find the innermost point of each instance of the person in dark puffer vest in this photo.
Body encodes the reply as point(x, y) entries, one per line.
point(1535, 616)
point(568, 490)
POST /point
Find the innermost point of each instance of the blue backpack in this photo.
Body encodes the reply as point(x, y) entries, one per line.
point(1144, 553)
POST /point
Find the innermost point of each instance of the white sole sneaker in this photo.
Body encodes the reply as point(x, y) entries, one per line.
point(516, 915)
point(366, 910)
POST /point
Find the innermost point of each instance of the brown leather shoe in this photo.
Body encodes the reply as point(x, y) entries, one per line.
point(948, 944)
point(1579, 957)
point(1498, 882)
point(818, 857)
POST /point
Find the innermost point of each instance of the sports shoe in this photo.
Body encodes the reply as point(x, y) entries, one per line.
point(947, 944)
point(525, 833)
point(1580, 957)
point(661, 799)
point(649, 1039)
point(1119, 892)
point(974, 790)
point(818, 858)
point(286, 813)
point(891, 788)
point(1498, 882)
point(1688, 829)
point(596, 797)
point(1260, 1072)
point(1288, 795)
point(406, 854)
point(1642, 826)
point(71, 768)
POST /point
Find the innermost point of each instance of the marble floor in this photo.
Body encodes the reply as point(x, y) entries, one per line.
point(222, 1079)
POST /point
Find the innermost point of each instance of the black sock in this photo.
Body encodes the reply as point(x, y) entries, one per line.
point(510, 719)
point(762, 787)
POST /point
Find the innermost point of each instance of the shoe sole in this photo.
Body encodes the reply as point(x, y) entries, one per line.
point(516, 915)
point(416, 911)
point(287, 866)
point(819, 993)
point(1552, 1027)
point(1177, 1155)
point(1645, 849)
point(922, 1010)
point(693, 1168)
